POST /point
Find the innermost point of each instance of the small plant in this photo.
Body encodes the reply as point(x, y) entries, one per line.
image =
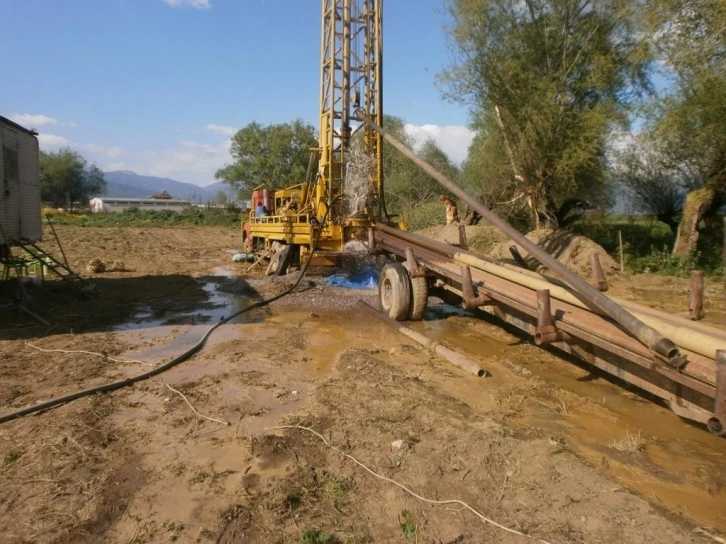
point(293, 499)
point(11, 456)
point(316, 536)
point(662, 261)
point(630, 443)
point(173, 527)
point(201, 475)
point(335, 489)
point(408, 525)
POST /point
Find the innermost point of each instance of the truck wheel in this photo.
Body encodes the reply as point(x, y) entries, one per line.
point(419, 297)
point(280, 261)
point(394, 291)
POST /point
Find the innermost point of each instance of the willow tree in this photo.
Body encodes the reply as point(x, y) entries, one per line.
point(547, 80)
point(690, 38)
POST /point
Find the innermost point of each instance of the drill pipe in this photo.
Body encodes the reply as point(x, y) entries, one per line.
point(702, 340)
point(645, 334)
point(638, 309)
point(435, 347)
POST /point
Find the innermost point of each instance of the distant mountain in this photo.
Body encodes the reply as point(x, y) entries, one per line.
point(127, 184)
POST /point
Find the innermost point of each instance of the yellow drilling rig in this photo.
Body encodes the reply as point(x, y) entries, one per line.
point(285, 223)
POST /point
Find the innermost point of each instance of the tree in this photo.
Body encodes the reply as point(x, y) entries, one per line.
point(690, 122)
point(547, 81)
point(277, 155)
point(406, 186)
point(220, 199)
point(653, 182)
point(66, 178)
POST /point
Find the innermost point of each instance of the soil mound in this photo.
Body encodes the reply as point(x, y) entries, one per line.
point(480, 238)
point(570, 249)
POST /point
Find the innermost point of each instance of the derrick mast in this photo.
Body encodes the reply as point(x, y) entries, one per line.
point(292, 220)
point(351, 73)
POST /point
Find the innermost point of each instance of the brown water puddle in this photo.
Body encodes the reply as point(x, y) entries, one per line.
point(640, 444)
point(678, 465)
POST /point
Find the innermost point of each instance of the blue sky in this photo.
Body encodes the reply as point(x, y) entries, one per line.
point(158, 86)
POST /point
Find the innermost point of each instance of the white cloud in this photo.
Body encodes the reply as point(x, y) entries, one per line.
point(33, 120)
point(50, 142)
point(196, 4)
point(454, 140)
point(192, 161)
point(188, 160)
point(109, 152)
point(221, 129)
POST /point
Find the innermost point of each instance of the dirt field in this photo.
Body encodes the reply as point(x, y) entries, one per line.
point(221, 447)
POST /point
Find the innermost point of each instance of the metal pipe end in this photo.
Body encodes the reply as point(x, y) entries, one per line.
point(669, 351)
point(716, 426)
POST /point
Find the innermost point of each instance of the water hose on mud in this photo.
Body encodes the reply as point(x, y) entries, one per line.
point(113, 386)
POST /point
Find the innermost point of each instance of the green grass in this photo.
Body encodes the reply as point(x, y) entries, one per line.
point(133, 217)
point(408, 525)
point(648, 243)
point(11, 456)
point(316, 536)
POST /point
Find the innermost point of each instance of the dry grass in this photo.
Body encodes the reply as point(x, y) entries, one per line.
point(630, 443)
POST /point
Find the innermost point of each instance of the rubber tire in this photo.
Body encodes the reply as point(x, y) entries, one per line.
point(280, 261)
point(394, 291)
point(419, 296)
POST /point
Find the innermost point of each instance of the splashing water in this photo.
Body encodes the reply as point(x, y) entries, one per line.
point(355, 246)
point(358, 175)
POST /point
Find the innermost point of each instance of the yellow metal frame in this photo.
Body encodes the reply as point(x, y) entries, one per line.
point(350, 77)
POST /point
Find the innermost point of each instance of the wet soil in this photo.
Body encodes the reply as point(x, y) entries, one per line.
point(197, 454)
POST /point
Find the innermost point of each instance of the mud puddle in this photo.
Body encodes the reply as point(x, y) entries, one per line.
point(638, 443)
point(223, 300)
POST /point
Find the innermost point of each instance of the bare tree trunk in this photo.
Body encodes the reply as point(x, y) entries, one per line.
point(698, 203)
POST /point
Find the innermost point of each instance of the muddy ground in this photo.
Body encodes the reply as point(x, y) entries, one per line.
point(220, 448)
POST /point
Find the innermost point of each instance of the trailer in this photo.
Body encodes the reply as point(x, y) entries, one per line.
point(680, 361)
point(20, 213)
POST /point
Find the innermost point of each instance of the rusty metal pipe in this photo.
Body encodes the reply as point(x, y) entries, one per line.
point(717, 424)
point(696, 299)
point(644, 333)
point(687, 334)
point(435, 347)
point(597, 274)
point(638, 309)
point(517, 256)
point(463, 242)
point(546, 332)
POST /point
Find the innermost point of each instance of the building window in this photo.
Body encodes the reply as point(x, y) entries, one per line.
point(10, 164)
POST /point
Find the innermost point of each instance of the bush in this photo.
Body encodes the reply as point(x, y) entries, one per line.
point(426, 215)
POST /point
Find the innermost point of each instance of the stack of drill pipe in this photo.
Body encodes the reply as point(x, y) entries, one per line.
point(697, 338)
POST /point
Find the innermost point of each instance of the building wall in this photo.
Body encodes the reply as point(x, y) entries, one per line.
point(20, 215)
point(101, 204)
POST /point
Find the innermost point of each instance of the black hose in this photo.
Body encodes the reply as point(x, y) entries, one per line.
point(113, 386)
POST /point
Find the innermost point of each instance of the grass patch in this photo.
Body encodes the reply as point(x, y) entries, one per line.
point(630, 443)
point(11, 456)
point(134, 217)
point(408, 525)
point(316, 536)
point(648, 243)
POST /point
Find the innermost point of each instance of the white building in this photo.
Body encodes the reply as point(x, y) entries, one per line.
point(111, 204)
point(19, 184)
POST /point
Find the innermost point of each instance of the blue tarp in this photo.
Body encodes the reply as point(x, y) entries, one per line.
point(365, 278)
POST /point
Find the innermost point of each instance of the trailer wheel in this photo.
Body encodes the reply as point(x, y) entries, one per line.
point(280, 260)
point(394, 291)
point(419, 297)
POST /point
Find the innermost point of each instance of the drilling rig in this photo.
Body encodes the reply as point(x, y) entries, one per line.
point(322, 210)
